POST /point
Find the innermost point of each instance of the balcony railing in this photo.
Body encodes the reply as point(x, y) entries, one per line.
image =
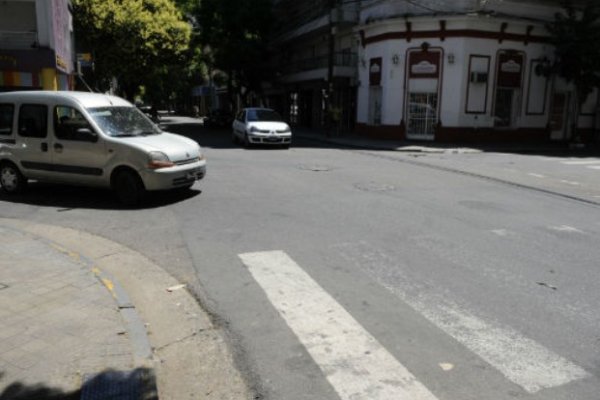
point(340, 59)
point(18, 40)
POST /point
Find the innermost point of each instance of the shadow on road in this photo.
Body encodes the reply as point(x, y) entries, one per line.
point(138, 384)
point(71, 197)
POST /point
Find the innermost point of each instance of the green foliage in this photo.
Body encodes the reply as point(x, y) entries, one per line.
point(236, 33)
point(132, 40)
point(575, 34)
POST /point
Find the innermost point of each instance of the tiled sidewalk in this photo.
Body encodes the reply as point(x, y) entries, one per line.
point(58, 322)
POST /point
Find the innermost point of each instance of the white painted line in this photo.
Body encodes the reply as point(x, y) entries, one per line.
point(574, 183)
point(535, 175)
point(581, 162)
point(593, 166)
point(354, 362)
point(501, 232)
point(520, 359)
point(565, 228)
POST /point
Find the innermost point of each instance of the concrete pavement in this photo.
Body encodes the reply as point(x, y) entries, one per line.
point(83, 317)
point(360, 141)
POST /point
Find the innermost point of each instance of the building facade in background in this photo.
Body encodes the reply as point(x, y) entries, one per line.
point(36, 45)
point(316, 61)
point(441, 70)
point(463, 70)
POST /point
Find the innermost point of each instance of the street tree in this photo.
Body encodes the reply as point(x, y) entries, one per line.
point(235, 34)
point(575, 34)
point(131, 40)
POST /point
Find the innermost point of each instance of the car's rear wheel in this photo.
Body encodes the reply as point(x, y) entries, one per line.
point(129, 188)
point(11, 179)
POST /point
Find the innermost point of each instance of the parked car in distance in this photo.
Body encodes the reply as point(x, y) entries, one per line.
point(261, 126)
point(218, 119)
point(93, 140)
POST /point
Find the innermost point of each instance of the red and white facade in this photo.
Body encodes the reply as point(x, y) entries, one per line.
point(469, 74)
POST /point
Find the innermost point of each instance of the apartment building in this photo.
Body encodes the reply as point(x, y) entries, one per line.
point(36, 45)
point(315, 61)
point(440, 70)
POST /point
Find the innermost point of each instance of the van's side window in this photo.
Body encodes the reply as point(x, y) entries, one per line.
point(67, 121)
point(6, 118)
point(33, 121)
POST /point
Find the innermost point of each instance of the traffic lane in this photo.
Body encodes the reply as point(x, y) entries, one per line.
point(446, 231)
point(571, 176)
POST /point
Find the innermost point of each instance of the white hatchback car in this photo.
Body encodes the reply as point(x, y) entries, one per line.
point(94, 140)
point(261, 126)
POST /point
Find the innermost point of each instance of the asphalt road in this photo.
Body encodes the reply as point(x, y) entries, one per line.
point(362, 274)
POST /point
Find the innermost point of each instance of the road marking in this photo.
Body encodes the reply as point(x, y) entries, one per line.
point(501, 232)
point(581, 162)
point(354, 362)
point(593, 166)
point(565, 228)
point(574, 183)
point(520, 359)
point(535, 175)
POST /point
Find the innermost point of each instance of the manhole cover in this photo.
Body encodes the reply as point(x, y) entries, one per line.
point(3, 286)
point(374, 187)
point(315, 167)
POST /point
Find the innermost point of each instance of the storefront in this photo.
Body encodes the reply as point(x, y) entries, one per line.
point(463, 78)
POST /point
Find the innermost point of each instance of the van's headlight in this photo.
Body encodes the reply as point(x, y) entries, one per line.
point(157, 159)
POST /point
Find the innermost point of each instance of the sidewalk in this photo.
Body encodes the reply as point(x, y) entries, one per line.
point(354, 140)
point(86, 318)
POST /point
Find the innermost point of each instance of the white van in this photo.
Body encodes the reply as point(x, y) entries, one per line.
point(91, 139)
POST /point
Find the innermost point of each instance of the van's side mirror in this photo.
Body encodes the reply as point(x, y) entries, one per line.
point(87, 135)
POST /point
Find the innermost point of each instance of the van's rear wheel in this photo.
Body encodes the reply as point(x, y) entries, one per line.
point(11, 179)
point(129, 188)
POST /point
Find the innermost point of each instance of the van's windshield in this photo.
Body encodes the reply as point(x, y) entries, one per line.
point(123, 121)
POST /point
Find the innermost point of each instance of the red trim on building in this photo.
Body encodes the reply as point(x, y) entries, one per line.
point(467, 33)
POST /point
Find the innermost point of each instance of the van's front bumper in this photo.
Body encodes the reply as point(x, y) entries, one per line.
point(173, 177)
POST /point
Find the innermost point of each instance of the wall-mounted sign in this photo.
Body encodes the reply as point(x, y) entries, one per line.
point(375, 71)
point(510, 70)
point(424, 67)
point(424, 64)
point(511, 66)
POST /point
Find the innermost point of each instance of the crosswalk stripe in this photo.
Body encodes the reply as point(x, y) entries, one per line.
point(353, 361)
point(581, 162)
point(520, 359)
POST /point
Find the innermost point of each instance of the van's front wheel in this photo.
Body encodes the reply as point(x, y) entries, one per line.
point(129, 188)
point(11, 179)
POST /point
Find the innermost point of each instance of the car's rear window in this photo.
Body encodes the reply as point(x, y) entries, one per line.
point(263, 115)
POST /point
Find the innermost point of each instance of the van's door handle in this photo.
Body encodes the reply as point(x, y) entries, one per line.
point(58, 147)
point(44, 146)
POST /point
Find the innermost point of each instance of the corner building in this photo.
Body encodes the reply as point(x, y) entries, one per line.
point(463, 70)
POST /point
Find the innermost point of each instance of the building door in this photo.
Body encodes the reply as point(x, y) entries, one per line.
point(506, 109)
point(375, 98)
point(559, 116)
point(422, 115)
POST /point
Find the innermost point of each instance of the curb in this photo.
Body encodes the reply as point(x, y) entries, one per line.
point(174, 338)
